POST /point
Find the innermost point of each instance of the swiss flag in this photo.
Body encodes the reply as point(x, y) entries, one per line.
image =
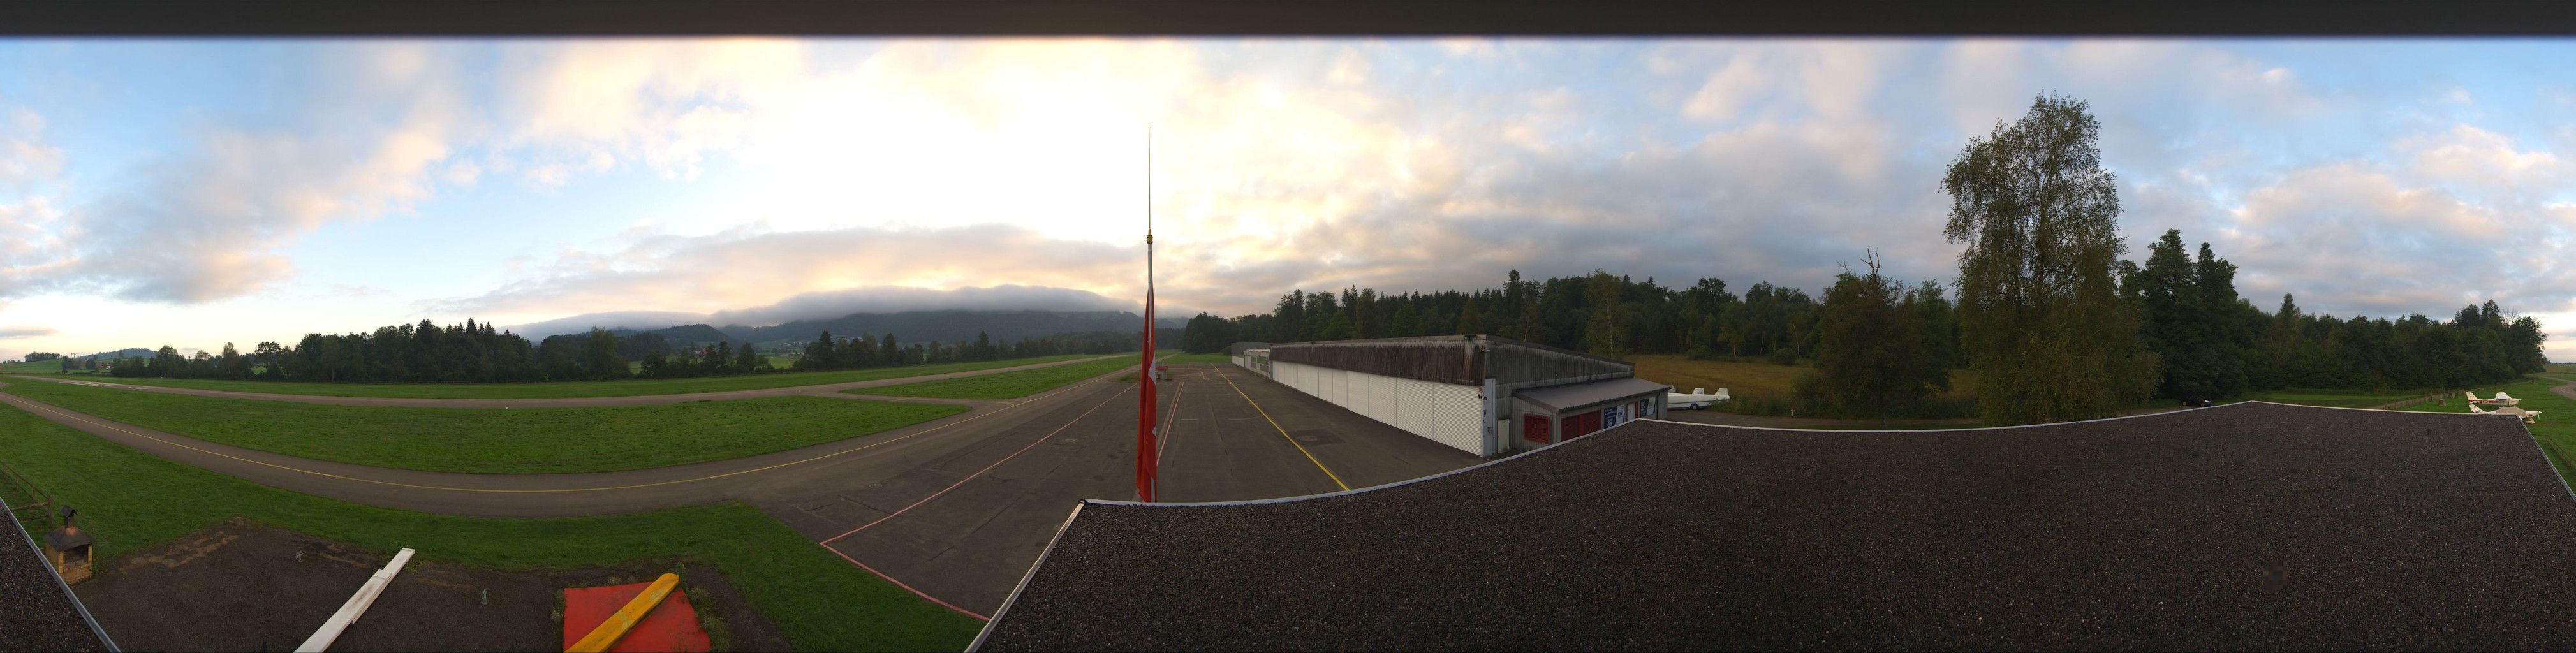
point(1145, 440)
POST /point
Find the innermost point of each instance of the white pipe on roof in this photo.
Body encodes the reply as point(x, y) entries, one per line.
point(357, 605)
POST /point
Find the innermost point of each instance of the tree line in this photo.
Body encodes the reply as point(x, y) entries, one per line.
point(480, 353)
point(1600, 313)
point(2056, 324)
point(826, 352)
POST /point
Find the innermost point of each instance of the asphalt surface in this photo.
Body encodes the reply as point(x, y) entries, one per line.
point(997, 502)
point(822, 390)
point(954, 509)
point(2247, 526)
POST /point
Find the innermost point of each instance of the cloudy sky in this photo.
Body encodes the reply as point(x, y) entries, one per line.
point(194, 193)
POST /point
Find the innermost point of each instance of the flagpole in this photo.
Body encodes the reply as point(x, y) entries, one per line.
point(1146, 474)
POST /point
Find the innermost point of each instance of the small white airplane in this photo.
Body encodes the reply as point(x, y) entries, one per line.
point(1696, 399)
point(2501, 399)
point(2528, 416)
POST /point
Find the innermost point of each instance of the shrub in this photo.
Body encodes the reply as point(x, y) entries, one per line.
point(1784, 356)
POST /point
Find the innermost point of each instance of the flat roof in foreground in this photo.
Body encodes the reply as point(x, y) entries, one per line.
point(2247, 526)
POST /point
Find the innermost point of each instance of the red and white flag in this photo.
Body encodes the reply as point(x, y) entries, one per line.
point(1145, 436)
point(1145, 432)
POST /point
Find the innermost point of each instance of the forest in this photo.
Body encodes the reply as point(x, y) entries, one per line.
point(2212, 343)
point(480, 353)
point(2053, 323)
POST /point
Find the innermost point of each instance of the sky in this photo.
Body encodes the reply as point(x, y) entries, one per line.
point(198, 192)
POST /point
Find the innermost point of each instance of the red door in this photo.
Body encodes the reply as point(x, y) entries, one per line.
point(1534, 428)
point(1581, 425)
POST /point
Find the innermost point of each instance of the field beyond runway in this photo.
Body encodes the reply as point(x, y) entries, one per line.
point(569, 393)
point(2247, 526)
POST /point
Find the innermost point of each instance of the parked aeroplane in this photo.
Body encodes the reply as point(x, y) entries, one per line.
point(2528, 416)
point(2501, 399)
point(1696, 399)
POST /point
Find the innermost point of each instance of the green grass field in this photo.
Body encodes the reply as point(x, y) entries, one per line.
point(2334, 399)
point(529, 441)
point(2556, 429)
point(37, 367)
point(130, 501)
point(554, 389)
point(2365, 398)
point(1181, 359)
point(1747, 378)
point(1005, 385)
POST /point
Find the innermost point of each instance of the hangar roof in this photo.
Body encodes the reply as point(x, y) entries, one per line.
point(1454, 359)
point(1583, 394)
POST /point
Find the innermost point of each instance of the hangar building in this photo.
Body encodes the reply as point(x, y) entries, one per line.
point(1253, 356)
point(1484, 395)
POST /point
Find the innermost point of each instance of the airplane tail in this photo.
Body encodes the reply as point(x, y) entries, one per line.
point(2474, 409)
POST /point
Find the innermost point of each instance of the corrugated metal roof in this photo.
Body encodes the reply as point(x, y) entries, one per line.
point(1445, 359)
point(1237, 349)
point(1511, 362)
point(1454, 359)
point(1584, 394)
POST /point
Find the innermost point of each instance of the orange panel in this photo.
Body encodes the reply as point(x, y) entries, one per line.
point(671, 627)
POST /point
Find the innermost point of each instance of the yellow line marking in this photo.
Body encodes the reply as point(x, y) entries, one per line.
point(1292, 441)
point(30, 403)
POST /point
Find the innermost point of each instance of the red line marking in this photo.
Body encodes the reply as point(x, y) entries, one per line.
point(844, 556)
point(980, 472)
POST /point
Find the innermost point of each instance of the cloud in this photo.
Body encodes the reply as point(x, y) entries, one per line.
point(2471, 156)
point(784, 270)
point(897, 299)
point(25, 157)
point(12, 333)
point(2446, 225)
point(208, 225)
point(638, 320)
point(207, 219)
point(836, 303)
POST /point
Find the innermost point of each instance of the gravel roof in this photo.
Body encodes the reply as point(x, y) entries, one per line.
point(2247, 526)
point(34, 613)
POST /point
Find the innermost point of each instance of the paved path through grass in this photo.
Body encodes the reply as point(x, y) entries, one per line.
point(574, 393)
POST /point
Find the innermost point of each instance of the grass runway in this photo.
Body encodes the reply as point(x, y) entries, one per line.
point(1005, 385)
point(531, 441)
point(562, 389)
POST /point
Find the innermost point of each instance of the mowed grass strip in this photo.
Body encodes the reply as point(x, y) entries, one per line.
point(530, 441)
point(1747, 378)
point(560, 389)
point(2330, 399)
point(1005, 385)
point(130, 501)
